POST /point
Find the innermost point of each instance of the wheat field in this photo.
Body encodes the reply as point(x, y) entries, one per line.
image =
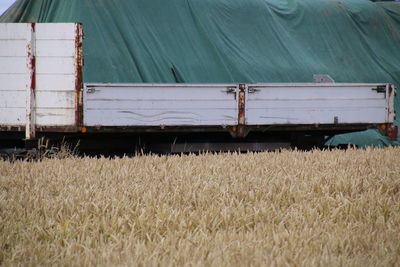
point(289, 208)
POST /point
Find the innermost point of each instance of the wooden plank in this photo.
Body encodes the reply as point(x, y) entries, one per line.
point(55, 31)
point(44, 82)
point(161, 104)
point(55, 48)
point(315, 116)
point(12, 82)
point(44, 99)
point(44, 117)
point(12, 116)
point(55, 117)
point(12, 48)
point(13, 99)
point(55, 99)
point(159, 93)
point(317, 104)
point(314, 93)
point(158, 117)
point(55, 82)
point(13, 65)
point(56, 65)
point(13, 31)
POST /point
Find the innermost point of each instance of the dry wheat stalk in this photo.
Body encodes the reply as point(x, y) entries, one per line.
point(335, 208)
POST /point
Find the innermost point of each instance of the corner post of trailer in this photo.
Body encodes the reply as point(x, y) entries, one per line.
point(242, 131)
point(79, 75)
point(392, 130)
point(30, 128)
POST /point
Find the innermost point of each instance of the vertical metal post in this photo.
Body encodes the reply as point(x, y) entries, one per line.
point(30, 131)
point(241, 129)
point(78, 75)
point(241, 104)
point(390, 94)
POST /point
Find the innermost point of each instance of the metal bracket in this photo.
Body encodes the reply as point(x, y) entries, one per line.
point(230, 90)
point(241, 104)
point(335, 120)
point(380, 89)
point(90, 90)
point(252, 90)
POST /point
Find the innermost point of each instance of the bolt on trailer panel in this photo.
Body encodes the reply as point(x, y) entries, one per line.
point(40, 76)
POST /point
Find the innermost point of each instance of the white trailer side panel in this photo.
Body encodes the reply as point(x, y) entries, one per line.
point(220, 104)
point(272, 104)
point(54, 46)
point(158, 105)
point(13, 73)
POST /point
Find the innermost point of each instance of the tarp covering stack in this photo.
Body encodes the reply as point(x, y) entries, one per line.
point(232, 41)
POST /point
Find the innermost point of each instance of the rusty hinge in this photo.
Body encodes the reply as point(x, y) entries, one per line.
point(380, 89)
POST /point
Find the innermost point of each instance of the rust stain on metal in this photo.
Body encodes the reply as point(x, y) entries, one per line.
point(32, 60)
point(31, 65)
point(241, 104)
point(392, 95)
point(78, 74)
point(59, 129)
point(55, 129)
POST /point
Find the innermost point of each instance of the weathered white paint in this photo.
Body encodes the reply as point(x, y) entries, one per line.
point(55, 65)
point(45, 99)
point(12, 48)
point(10, 116)
point(55, 48)
point(55, 31)
point(12, 82)
point(13, 65)
point(266, 104)
point(155, 105)
point(47, 116)
point(44, 116)
point(44, 82)
point(313, 91)
point(55, 82)
point(315, 104)
point(55, 92)
point(12, 31)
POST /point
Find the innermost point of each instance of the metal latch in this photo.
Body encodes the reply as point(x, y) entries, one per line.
point(230, 90)
point(253, 90)
point(380, 89)
point(90, 90)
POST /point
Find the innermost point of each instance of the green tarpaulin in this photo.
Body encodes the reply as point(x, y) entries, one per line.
point(232, 41)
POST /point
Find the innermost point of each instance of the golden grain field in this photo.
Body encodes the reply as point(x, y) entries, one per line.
point(290, 208)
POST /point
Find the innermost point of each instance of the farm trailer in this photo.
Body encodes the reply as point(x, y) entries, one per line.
point(42, 94)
